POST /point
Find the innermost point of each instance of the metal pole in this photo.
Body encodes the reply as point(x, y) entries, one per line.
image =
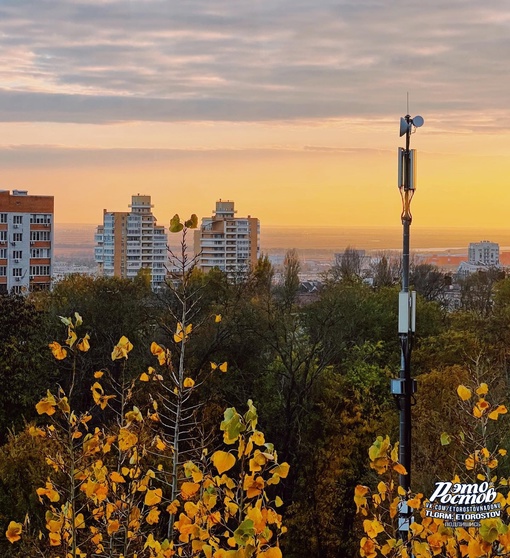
point(406, 337)
point(404, 387)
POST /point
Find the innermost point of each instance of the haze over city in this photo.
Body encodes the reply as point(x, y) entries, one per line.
point(290, 109)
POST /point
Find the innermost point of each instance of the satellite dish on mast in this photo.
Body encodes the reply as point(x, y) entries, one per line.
point(418, 121)
point(404, 126)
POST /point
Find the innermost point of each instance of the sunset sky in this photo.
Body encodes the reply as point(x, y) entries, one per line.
point(290, 108)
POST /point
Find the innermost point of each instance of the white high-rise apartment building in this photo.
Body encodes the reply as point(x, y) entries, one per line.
point(227, 242)
point(128, 242)
point(484, 253)
point(26, 241)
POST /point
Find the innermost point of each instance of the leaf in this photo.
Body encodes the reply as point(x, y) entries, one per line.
point(217, 318)
point(372, 527)
point(117, 477)
point(127, 439)
point(175, 224)
point(499, 410)
point(482, 389)
point(223, 461)
point(122, 348)
point(98, 374)
point(189, 489)
point(400, 469)
point(274, 552)
point(153, 497)
point(46, 405)
point(58, 351)
point(153, 516)
point(445, 439)
point(13, 532)
point(192, 222)
point(223, 367)
point(84, 344)
point(278, 502)
point(188, 382)
point(281, 470)
point(464, 393)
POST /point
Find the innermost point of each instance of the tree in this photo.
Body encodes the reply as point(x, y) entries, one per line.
point(430, 532)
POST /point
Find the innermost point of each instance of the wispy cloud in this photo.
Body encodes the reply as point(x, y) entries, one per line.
point(108, 61)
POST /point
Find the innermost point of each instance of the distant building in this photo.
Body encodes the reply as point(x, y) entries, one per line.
point(227, 242)
point(483, 253)
point(481, 257)
point(26, 241)
point(128, 242)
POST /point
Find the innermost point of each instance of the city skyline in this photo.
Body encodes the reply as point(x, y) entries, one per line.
point(291, 110)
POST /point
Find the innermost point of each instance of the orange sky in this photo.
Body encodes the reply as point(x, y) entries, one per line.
point(292, 111)
point(327, 173)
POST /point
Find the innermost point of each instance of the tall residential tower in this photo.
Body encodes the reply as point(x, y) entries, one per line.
point(227, 242)
point(26, 241)
point(128, 242)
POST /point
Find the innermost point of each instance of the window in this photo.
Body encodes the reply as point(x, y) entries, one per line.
point(17, 272)
point(17, 237)
point(3, 236)
point(3, 253)
point(3, 270)
point(40, 235)
point(39, 270)
point(39, 252)
point(17, 254)
point(40, 218)
point(17, 219)
point(3, 217)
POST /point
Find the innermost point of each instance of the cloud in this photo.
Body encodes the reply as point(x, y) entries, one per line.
point(108, 61)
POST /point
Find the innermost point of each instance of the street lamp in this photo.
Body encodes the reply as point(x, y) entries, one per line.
point(404, 387)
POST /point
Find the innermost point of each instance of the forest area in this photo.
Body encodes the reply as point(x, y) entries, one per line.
point(222, 417)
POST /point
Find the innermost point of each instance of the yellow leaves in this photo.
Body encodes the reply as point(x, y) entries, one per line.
point(223, 461)
point(71, 336)
point(217, 318)
point(499, 410)
point(113, 526)
point(162, 354)
point(153, 516)
point(253, 485)
point(58, 351)
point(221, 367)
point(173, 507)
point(281, 470)
point(13, 532)
point(122, 348)
point(188, 382)
point(182, 333)
point(480, 407)
point(400, 469)
point(367, 548)
point(189, 489)
point(372, 527)
point(464, 393)
point(127, 439)
point(360, 499)
point(49, 492)
point(46, 404)
point(153, 497)
point(482, 389)
point(274, 552)
point(117, 477)
point(378, 454)
point(99, 397)
point(84, 345)
point(134, 416)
